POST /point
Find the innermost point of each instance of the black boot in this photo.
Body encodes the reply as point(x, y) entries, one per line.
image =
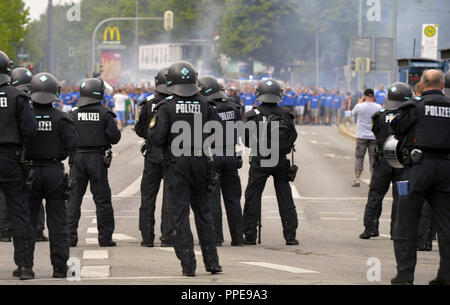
point(5, 237)
point(214, 269)
point(292, 242)
point(439, 282)
point(147, 244)
point(60, 272)
point(109, 243)
point(26, 273)
point(368, 234)
point(398, 281)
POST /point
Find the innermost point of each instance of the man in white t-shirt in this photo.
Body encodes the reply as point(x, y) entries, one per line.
point(365, 139)
point(119, 107)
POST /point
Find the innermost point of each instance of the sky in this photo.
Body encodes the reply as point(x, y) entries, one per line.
point(37, 7)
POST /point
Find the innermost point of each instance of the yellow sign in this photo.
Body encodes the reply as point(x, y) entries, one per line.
point(112, 32)
point(430, 31)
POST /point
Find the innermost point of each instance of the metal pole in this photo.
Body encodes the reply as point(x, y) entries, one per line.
point(394, 36)
point(136, 40)
point(50, 55)
point(360, 18)
point(317, 60)
point(94, 34)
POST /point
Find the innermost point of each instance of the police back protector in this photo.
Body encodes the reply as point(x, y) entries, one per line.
point(9, 128)
point(432, 130)
point(46, 145)
point(228, 112)
point(90, 123)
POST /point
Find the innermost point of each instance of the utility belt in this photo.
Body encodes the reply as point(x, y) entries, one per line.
point(106, 152)
point(43, 163)
point(412, 156)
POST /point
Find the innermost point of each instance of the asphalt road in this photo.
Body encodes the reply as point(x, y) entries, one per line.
point(330, 215)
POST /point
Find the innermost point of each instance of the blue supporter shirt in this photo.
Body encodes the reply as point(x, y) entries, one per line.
point(315, 102)
point(380, 96)
point(329, 101)
point(300, 99)
point(337, 102)
point(249, 99)
point(290, 99)
point(323, 99)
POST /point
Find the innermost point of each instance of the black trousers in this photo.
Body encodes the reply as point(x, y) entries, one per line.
point(230, 187)
point(5, 220)
point(11, 183)
point(383, 175)
point(49, 184)
point(90, 167)
point(150, 184)
point(252, 209)
point(429, 180)
point(187, 178)
point(426, 228)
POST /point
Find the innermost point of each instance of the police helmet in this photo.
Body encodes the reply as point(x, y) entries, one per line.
point(212, 89)
point(44, 89)
point(269, 91)
point(447, 84)
point(91, 91)
point(181, 79)
point(21, 79)
point(398, 93)
point(160, 81)
point(5, 68)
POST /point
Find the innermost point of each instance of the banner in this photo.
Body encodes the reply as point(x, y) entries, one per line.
point(430, 35)
point(111, 60)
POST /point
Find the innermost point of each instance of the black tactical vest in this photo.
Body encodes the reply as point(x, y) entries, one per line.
point(155, 152)
point(187, 110)
point(228, 112)
point(90, 124)
point(432, 130)
point(9, 128)
point(383, 119)
point(46, 145)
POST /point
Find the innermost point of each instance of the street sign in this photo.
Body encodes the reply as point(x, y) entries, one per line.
point(23, 55)
point(430, 35)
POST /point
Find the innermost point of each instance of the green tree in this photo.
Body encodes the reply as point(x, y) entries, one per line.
point(13, 20)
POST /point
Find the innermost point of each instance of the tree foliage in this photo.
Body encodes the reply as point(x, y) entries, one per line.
point(13, 20)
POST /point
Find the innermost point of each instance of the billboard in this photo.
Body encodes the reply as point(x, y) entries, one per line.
point(111, 60)
point(430, 34)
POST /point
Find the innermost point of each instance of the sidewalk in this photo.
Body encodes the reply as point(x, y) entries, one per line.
point(348, 130)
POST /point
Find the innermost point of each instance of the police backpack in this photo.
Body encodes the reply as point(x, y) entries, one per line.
point(286, 139)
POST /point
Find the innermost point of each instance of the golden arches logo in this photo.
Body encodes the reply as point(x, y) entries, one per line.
point(111, 32)
point(430, 31)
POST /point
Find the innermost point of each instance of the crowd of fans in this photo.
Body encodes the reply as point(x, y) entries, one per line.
point(311, 105)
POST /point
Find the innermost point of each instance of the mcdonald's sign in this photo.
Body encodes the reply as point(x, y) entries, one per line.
point(113, 34)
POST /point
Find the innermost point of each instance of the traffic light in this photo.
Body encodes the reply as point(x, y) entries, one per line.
point(373, 66)
point(30, 67)
point(168, 20)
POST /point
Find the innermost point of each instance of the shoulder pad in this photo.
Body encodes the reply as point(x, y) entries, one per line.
point(159, 105)
point(66, 116)
point(112, 113)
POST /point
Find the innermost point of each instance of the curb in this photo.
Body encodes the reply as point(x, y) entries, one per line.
point(343, 129)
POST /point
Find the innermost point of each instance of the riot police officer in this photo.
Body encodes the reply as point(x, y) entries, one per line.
point(17, 124)
point(226, 164)
point(97, 130)
point(153, 171)
point(423, 131)
point(21, 79)
point(56, 137)
point(189, 174)
point(269, 93)
point(383, 173)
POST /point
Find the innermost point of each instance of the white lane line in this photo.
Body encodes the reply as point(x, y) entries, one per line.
point(279, 267)
point(385, 235)
point(330, 218)
point(122, 237)
point(339, 198)
point(99, 272)
point(278, 217)
point(295, 193)
point(173, 250)
point(95, 254)
point(92, 230)
point(132, 189)
point(91, 241)
point(338, 213)
point(94, 221)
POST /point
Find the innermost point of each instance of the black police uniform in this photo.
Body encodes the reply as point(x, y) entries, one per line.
point(97, 130)
point(56, 137)
point(17, 123)
point(20, 79)
point(423, 124)
point(151, 179)
point(187, 178)
point(257, 179)
point(383, 175)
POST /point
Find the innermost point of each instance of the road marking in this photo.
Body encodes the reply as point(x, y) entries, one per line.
point(295, 193)
point(95, 254)
point(94, 221)
point(366, 181)
point(330, 218)
point(99, 272)
point(122, 237)
point(173, 250)
point(92, 230)
point(338, 213)
point(132, 189)
point(338, 198)
point(385, 235)
point(91, 241)
point(279, 267)
point(278, 217)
